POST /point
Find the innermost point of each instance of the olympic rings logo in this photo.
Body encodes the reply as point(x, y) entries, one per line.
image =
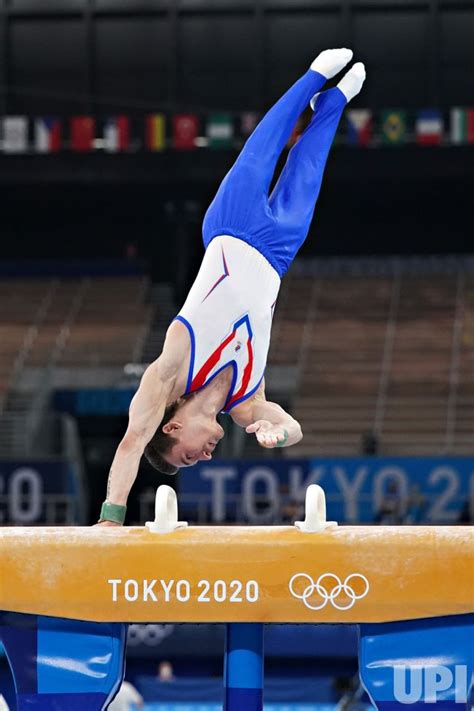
point(329, 588)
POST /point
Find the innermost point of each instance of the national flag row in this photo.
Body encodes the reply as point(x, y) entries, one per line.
point(117, 134)
point(428, 127)
point(187, 131)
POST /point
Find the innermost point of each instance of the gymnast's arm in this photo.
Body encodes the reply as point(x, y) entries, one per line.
point(146, 413)
point(273, 427)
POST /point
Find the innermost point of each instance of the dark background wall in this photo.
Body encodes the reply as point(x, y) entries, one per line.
point(135, 56)
point(70, 55)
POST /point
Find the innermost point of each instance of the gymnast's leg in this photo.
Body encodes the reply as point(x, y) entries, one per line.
point(242, 199)
point(296, 192)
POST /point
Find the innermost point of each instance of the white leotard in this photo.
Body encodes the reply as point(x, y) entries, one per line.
point(228, 314)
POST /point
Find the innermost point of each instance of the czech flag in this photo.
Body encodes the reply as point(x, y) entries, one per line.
point(359, 127)
point(47, 135)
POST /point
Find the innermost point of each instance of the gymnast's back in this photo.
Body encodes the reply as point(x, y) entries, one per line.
point(228, 314)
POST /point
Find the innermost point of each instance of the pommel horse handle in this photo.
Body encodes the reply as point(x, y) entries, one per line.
point(315, 512)
point(166, 512)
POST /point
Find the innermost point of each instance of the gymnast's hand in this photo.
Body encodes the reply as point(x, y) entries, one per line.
point(267, 434)
point(106, 523)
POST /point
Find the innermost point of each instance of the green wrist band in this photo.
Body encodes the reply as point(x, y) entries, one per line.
point(282, 442)
point(112, 512)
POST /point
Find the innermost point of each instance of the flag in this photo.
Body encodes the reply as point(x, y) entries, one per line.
point(429, 127)
point(117, 134)
point(155, 128)
point(220, 130)
point(393, 124)
point(248, 122)
point(359, 126)
point(15, 134)
point(462, 125)
point(185, 131)
point(47, 135)
point(82, 133)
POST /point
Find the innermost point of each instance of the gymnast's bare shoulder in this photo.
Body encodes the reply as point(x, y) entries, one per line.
point(173, 363)
point(162, 382)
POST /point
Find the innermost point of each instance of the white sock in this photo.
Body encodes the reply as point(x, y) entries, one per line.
point(331, 61)
point(351, 83)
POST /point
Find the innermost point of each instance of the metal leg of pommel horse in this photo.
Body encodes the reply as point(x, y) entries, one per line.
point(421, 662)
point(243, 667)
point(65, 665)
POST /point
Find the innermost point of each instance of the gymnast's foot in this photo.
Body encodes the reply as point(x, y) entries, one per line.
point(331, 61)
point(351, 83)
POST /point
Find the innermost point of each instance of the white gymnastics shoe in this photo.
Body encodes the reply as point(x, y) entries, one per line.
point(331, 61)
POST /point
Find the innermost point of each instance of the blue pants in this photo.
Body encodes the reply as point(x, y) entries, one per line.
point(278, 225)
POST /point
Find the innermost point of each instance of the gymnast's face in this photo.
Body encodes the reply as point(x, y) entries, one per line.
point(197, 436)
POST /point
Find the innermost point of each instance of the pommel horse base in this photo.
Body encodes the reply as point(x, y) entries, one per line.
point(67, 595)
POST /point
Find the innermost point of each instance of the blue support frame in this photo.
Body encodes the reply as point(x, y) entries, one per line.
point(243, 667)
point(421, 663)
point(71, 665)
point(65, 665)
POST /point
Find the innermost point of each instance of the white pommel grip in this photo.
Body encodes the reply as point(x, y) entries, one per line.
point(315, 512)
point(166, 512)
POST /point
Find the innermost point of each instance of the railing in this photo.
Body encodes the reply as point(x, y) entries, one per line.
point(163, 310)
point(454, 368)
point(387, 353)
point(32, 333)
point(19, 427)
point(72, 451)
point(308, 327)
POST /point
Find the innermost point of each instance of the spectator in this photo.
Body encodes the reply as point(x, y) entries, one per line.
point(370, 444)
point(127, 699)
point(165, 671)
point(352, 692)
point(290, 509)
point(416, 505)
point(465, 513)
point(390, 512)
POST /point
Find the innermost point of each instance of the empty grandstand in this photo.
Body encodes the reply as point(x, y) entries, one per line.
point(379, 350)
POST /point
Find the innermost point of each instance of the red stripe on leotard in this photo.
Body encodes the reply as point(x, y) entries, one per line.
point(200, 378)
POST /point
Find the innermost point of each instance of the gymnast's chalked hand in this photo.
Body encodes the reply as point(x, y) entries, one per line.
point(267, 434)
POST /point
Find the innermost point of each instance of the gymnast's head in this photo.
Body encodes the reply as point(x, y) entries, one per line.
point(185, 436)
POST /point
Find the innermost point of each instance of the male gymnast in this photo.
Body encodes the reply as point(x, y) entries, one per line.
point(215, 351)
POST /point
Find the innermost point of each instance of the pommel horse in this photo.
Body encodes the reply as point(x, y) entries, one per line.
point(67, 594)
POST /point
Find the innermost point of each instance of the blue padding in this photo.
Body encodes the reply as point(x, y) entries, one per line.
point(18, 634)
point(244, 656)
point(61, 702)
point(418, 661)
point(79, 657)
point(243, 700)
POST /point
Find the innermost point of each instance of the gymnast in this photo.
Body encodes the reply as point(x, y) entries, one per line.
point(215, 351)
